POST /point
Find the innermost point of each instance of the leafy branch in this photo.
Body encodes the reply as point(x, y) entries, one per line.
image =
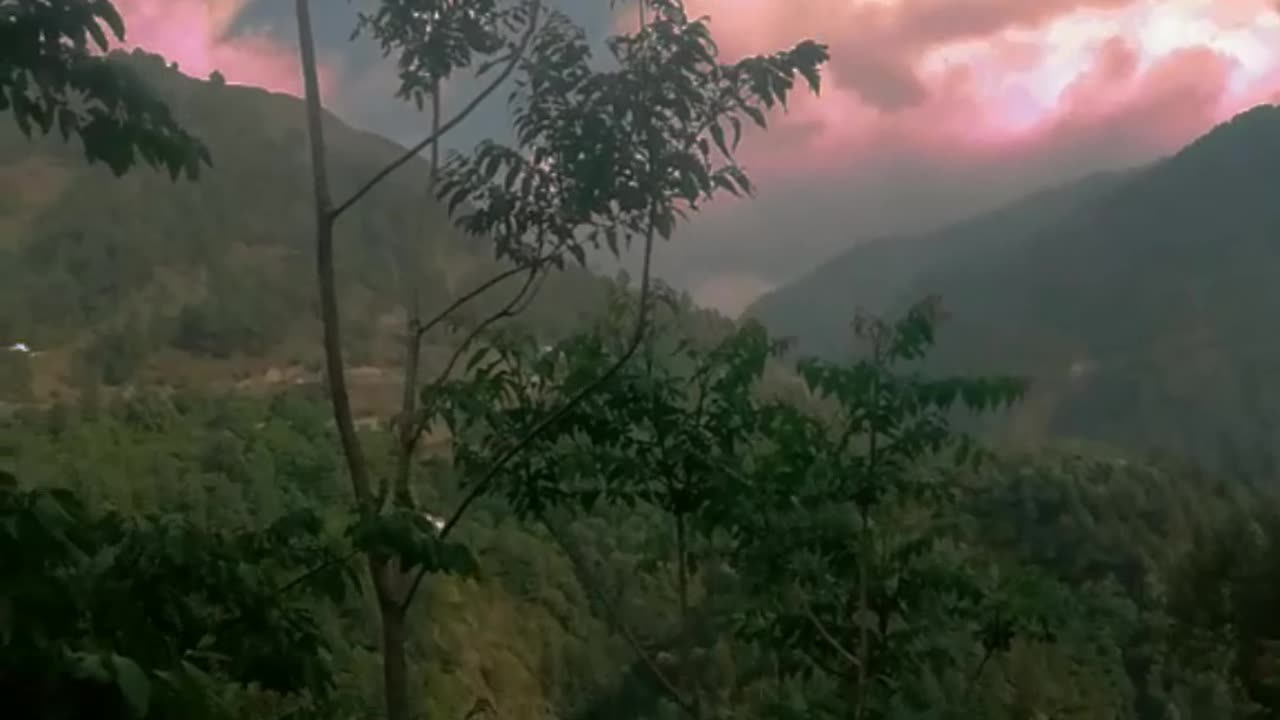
point(512, 61)
point(55, 72)
point(531, 435)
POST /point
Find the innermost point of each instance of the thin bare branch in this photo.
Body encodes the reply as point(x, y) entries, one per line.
point(976, 675)
point(642, 324)
point(530, 295)
point(308, 575)
point(329, 316)
point(819, 662)
point(830, 639)
point(418, 577)
point(453, 122)
point(511, 309)
point(588, 579)
point(301, 579)
point(506, 311)
point(472, 294)
point(413, 341)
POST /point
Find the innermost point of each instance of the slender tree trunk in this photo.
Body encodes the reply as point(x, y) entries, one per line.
point(390, 614)
point(686, 624)
point(411, 276)
point(682, 569)
point(864, 635)
point(395, 664)
point(334, 366)
point(865, 549)
point(393, 598)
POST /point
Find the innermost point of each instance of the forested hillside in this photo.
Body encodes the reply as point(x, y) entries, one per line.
point(1062, 583)
point(144, 280)
point(1133, 301)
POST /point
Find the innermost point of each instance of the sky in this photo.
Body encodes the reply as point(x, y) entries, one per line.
point(931, 110)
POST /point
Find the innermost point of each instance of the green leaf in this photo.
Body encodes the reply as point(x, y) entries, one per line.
point(664, 225)
point(91, 667)
point(133, 684)
point(717, 134)
point(99, 37)
point(108, 14)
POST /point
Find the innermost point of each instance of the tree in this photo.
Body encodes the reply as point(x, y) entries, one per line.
point(842, 532)
point(154, 617)
point(118, 352)
point(1222, 606)
point(814, 531)
point(53, 74)
point(604, 159)
point(673, 434)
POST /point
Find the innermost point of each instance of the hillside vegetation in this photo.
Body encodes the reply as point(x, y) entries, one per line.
point(142, 280)
point(1135, 301)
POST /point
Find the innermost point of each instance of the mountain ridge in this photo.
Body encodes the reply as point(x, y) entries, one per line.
point(1126, 298)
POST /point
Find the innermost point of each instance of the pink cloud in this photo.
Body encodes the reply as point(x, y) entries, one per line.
point(196, 35)
point(956, 83)
point(933, 110)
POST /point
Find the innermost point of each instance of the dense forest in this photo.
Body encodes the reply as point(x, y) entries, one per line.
point(568, 497)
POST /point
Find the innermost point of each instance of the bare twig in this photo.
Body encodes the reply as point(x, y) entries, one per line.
point(351, 448)
point(830, 639)
point(588, 579)
point(512, 62)
point(413, 342)
point(294, 583)
point(530, 294)
point(508, 310)
point(977, 674)
point(472, 294)
point(642, 324)
point(534, 265)
point(511, 309)
point(308, 575)
point(818, 661)
point(865, 541)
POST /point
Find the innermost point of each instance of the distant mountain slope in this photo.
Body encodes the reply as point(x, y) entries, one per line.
point(1140, 302)
point(141, 279)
